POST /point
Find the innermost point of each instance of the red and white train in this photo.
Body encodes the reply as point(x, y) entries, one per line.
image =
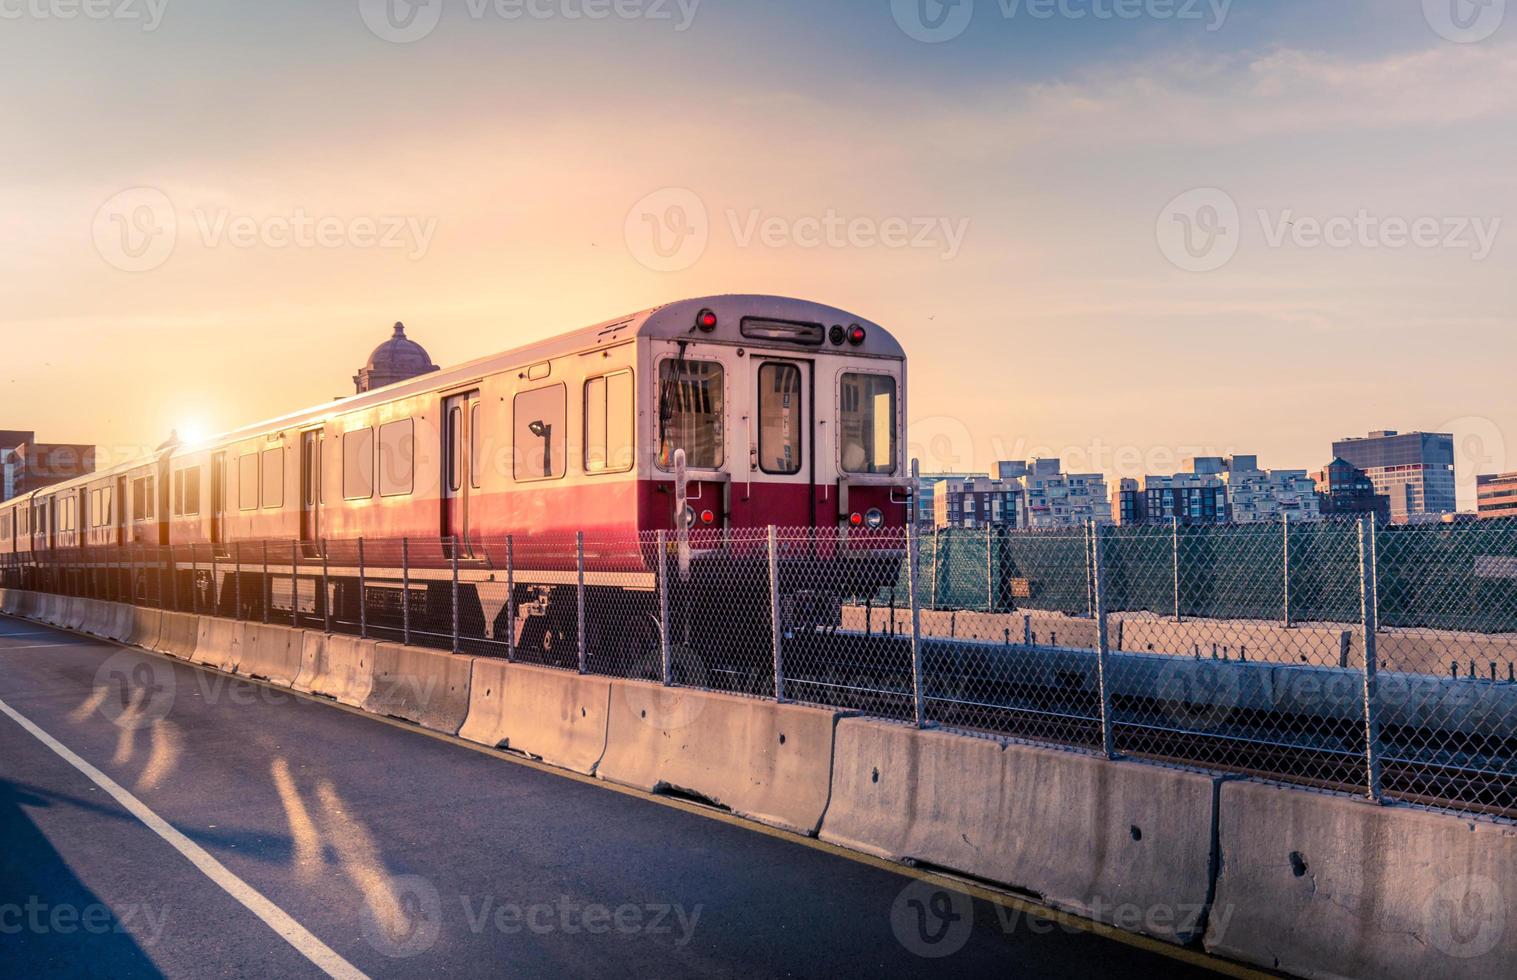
point(788, 413)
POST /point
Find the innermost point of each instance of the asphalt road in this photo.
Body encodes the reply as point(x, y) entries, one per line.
point(160, 819)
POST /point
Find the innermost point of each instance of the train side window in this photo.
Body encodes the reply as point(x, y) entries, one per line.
point(690, 406)
point(192, 491)
point(866, 423)
point(397, 458)
point(455, 448)
point(273, 477)
point(781, 419)
point(358, 464)
point(247, 481)
point(179, 493)
point(541, 439)
point(609, 423)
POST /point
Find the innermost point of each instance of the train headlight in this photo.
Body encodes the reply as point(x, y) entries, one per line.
point(837, 335)
point(688, 517)
point(874, 518)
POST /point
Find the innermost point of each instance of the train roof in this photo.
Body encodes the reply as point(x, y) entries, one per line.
point(672, 321)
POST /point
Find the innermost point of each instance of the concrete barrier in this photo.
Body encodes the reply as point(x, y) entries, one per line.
point(1326, 886)
point(1123, 843)
point(94, 616)
point(50, 609)
point(73, 612)
point(118, 621)
point(428, 687)
point(10, 601)
point(766, 761)
point(145, 625)
point(177, 635)
point(26, 605)
point(552, 715)
point(338, 667)
point(273, 653)
point(219, 643)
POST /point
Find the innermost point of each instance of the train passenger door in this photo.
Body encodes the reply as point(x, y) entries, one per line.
point(218, 503)
point(460, 470)
point(310, 491)
point(783, 450)
point(121, 509)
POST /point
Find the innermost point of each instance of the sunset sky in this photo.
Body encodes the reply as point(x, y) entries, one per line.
point(487, 184)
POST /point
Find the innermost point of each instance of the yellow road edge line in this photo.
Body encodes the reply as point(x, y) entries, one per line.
point(967, 886)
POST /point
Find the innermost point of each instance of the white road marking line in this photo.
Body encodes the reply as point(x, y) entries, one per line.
point(276, 918)
point(40, 646)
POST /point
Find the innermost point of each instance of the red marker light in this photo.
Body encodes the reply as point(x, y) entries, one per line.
point(856, 335)
point(856, 519)
point(706, 320)
point(707, 517)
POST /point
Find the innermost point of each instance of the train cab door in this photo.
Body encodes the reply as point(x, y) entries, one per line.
point(121, 511)
point(783, 452)
point(310, 491)
point(460, 477)
point(218, 503)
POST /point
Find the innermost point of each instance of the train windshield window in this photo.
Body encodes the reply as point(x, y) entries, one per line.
point(690, 413)
point(541, 439)
point(781, 418)
point(358, 464)
point(609, 414)
point(397, 458)
point(867, 422)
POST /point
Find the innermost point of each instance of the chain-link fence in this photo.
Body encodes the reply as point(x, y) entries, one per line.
point(1376, 660)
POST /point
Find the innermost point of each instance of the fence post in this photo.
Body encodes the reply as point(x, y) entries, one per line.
point(453, 550)
point(774, 613)
point(1090, 567)
point(215, 584)
point(990, 578)
point(666, 652)
point(1285, 545)
point(295, 583)
point(157, 570)
point(579, 562)
point(363, 591)
point(326, 588)
point(913, 572)
point(1174, 547)
point(1367, 571)
point(937, 565)
point(1103, 659)
point(266, 590)
point(510, 598)
point(405, 591)
point(237, 578)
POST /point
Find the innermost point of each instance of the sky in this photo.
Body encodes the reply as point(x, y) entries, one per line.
point(1122, 232)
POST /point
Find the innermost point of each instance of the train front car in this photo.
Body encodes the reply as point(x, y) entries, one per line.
point(785, 414)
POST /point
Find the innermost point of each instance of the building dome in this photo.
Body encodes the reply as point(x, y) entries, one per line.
point(398, 359)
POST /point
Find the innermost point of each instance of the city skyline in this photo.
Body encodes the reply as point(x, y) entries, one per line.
point(1021, 244)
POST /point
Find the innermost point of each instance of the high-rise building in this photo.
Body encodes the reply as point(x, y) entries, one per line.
point(1496, 495)
point(1414, 469)
point(1344, 489)
point(34, 465)
point(10, 463)
point(978, 502)
point(1218, 490)
point(1058, 499)
point(926, 494)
